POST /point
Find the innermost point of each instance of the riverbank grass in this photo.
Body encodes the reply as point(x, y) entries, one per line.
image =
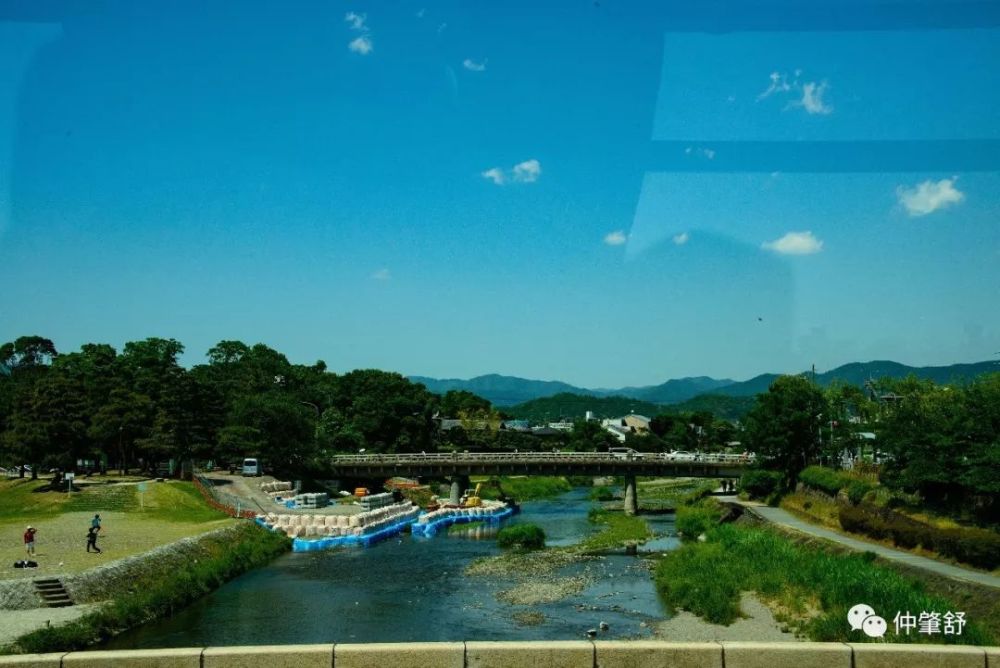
point(617, 529)
point(166, 512)
point(524, 488)
point(810, 587)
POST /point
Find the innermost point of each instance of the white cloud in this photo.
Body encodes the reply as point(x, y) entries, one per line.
point(616, 238)
point(795, 243)
point(929, 196)
point(442, 27)
point(812, 98)
point(779, 84)
point(362, 45)
point(356, 20)
point(496, 175)
point(527, 171)
point(808, 95)
point(473, 66)
point(421, 12)
point(682, 238)
point(382, 275)
point(523, 172)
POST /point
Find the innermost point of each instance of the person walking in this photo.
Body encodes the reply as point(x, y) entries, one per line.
point(92, 540)
point(29, 540)
point(95, 523)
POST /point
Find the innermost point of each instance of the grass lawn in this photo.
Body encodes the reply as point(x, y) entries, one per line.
point(169, 511)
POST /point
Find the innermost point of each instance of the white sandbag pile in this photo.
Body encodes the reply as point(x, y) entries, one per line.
point(276, 489)
point(316, 526)
point(489, 507)
point(375, 501)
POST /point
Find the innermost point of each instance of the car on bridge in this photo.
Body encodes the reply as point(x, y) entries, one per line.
point(627, 454)
point(683, 456)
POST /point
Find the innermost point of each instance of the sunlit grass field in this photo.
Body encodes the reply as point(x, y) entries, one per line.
point(131, 523)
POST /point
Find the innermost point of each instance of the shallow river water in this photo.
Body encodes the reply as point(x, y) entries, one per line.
point(413, 589)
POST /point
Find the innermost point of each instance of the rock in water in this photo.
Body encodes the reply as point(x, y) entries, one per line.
point(604, 626)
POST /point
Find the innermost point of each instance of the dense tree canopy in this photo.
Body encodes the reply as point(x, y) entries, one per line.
point(141, 407)
point(784, 427)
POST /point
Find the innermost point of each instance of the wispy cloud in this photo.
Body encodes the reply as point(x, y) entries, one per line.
point(779, 84)
point(382, 275)
point(362, 45)
point(700, 151)
point(473, 66)
point(929, 196)
point(682, 238)
point(494, 174)
point(812, 98)
point(356, 21)
point(616, 238)
point(441, 28)
point(795, 243)
point(523, 172)
point(421, 12)
point(808, 95)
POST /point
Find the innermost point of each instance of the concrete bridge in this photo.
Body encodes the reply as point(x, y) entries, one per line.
point(552, 654)
point(458, 466)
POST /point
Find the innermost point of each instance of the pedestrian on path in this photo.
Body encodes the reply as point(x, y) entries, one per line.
point(29, 540)
point(92, 540)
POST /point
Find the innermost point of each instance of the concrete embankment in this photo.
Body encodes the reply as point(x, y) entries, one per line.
point(554, 654)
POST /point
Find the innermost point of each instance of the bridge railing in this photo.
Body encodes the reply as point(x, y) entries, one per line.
point(540, 457)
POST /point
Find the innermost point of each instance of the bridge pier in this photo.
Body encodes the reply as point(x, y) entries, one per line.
point(631, 496)
point(459, 484)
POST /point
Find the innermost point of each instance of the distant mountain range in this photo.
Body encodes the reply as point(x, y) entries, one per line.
point(511, 390)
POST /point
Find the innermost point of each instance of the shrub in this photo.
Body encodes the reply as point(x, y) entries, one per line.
point(976, 547)
point(602, 494)
point(759, 483)
point(692, 521)
point(857, 489)
point(823, 479)
point(521, 537)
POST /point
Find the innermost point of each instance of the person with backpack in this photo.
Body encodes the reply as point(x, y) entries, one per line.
point(92, 539)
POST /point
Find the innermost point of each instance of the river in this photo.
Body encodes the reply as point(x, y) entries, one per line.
point(415, 589)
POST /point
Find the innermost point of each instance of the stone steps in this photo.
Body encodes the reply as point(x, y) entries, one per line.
point(52, 592)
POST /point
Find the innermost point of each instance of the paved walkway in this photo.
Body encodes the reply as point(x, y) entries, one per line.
point(15, 623)
point(786, 519)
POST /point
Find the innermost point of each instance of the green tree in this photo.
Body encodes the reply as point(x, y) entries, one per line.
point(783, 427)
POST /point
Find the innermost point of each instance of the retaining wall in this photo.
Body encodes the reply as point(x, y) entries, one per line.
point(554, 654)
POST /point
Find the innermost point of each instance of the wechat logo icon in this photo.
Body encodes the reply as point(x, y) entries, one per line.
point(862, 617)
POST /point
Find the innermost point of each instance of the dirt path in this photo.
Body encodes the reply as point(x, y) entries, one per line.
point(758, 625)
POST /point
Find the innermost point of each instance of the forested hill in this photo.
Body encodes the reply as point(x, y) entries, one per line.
point(511, 390)
point(575, 407)
point(500, 390)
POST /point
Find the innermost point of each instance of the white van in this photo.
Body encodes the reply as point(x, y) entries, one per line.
point(625, 453)
point(252, 467)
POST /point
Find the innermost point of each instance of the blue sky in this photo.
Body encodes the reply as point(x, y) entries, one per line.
point(607, 193)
